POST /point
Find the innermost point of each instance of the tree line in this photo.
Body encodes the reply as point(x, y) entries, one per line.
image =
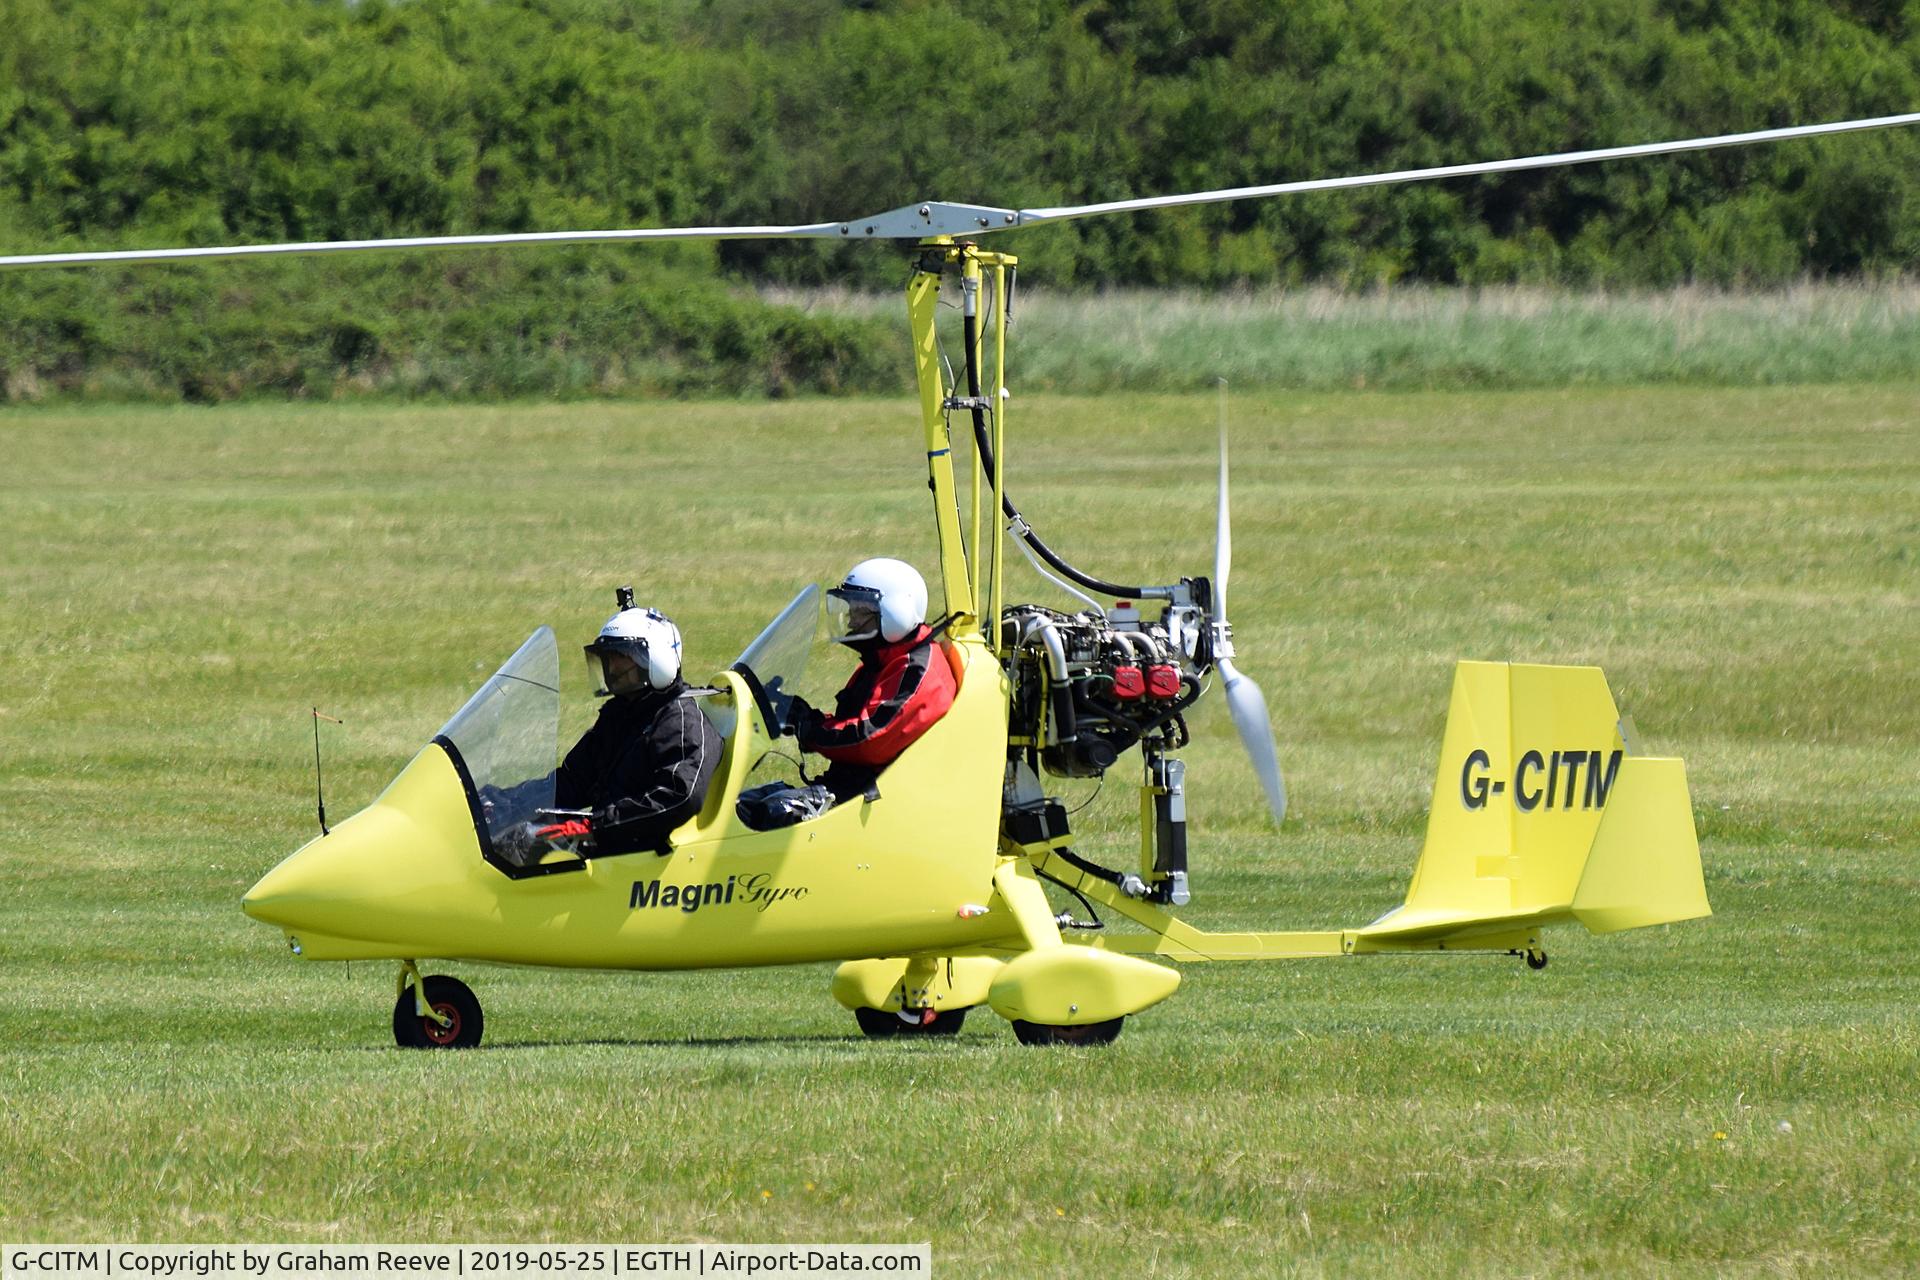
point(130, 123)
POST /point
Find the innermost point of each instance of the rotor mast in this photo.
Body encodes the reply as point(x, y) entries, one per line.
point(970, 561)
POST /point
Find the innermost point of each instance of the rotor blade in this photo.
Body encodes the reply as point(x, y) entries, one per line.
point(1223, 522)
point(1031, 217)
point(814, 231)
point(937, 218)
point(1248, 706)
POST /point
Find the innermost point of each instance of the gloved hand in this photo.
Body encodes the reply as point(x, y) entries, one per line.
point(802, 720)
point(520, 845)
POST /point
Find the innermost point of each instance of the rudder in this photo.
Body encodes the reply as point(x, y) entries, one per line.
point(1541, 813)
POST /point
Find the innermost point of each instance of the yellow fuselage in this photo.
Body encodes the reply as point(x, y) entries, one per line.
point(894, 876)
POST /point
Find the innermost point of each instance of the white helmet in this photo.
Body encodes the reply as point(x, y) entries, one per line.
point(880, 597)
point(636, 650)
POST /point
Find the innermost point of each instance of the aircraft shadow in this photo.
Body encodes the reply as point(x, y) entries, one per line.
point(672, 1042)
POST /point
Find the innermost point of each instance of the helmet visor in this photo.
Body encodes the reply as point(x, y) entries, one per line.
point(617, 666)
point(853, 614)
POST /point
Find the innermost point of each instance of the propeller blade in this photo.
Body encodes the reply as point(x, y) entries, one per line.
point(1245, 703)
point(1248, 707)
point(1223, 522)
point(1032, 217)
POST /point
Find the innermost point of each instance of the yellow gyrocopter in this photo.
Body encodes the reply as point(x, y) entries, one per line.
point(928, 890)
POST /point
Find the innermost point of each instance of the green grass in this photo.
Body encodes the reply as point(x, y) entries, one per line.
point(1729, 1096)
point(1414, 338)
point(594, 327)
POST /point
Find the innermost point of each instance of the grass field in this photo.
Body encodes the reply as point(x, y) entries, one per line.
point(1729, 1096)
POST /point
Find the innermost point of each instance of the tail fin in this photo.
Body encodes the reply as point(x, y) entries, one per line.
point(1542, 814)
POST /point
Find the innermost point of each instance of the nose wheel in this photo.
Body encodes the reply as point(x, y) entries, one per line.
point(451, 1019)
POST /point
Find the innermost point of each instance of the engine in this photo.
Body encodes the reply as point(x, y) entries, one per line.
point(1086, 687)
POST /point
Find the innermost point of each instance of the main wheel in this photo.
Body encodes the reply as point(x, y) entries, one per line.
point(449, 997)
point(1086, 1033)
point(880, 1023)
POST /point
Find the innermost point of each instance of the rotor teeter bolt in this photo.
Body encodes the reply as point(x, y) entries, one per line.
point(925, 212)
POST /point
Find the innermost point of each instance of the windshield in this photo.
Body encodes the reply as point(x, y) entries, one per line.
point(504, 740)
point(777, 658)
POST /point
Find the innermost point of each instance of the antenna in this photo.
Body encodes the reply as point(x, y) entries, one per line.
point(319, 791)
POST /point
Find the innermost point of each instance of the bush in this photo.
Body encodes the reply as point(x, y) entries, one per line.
point(212, 121)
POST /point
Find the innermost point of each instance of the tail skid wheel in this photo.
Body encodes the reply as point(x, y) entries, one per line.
point(1087, 1033)
point(449, 997)
point(880, 1024)
point(1536, 959)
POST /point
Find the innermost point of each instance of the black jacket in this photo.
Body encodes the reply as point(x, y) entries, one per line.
point(643, 768)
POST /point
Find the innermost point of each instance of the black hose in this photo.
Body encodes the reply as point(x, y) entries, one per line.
point(983, 443)
point(1093, 869)
point(1097, 922)
point(1066, 724)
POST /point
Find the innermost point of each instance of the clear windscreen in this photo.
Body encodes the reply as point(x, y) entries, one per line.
point(777, 658)
point(507, 737)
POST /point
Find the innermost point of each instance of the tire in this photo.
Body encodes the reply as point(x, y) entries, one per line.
point(881, 1024)
point(449, 996)
point(1086, 1033)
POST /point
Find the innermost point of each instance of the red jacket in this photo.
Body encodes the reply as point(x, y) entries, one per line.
point(896, 694)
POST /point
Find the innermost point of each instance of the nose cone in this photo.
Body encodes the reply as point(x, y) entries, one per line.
point(385, 874)
point(306, 879)
point(343, 883)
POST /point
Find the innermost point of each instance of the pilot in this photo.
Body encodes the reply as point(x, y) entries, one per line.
point(644, 766)
point(901, 687)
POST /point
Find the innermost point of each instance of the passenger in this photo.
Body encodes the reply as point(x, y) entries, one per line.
point(902, 686)
point(644, 767)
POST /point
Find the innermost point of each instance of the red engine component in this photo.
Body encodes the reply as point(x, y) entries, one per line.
point(1163, 681)
point(1128, 683)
